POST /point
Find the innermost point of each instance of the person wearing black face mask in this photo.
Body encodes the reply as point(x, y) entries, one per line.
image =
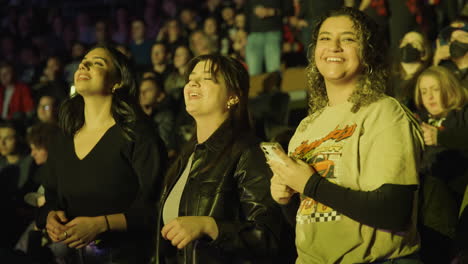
point(414, 53)
point(410, 54)
point(458, 49)
point(454, 56)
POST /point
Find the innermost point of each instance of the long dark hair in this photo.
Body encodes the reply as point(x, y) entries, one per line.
point(372, 83)
point(123, 109)
point(237, 82)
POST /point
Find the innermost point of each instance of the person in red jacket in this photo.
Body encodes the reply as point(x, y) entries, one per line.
point(15, 97)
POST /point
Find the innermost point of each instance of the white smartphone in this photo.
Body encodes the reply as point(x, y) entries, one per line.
point(269, 149)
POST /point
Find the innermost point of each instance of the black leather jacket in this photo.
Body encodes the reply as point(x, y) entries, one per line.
point(229, 181)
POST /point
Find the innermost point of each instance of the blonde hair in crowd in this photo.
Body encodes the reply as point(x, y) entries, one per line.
point(453, 94)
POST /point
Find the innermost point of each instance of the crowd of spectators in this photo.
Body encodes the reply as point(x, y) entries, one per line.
point(43, 42)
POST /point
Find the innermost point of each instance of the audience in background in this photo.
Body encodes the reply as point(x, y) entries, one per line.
point(47, 109)
point(444, 171)
point(264, 25)
point(452, 50)
point(42, 39)
point(414, 57)
point(140, 46)
point(158, 105)
point(175, 81)
point(16, 170)
point(15, 97)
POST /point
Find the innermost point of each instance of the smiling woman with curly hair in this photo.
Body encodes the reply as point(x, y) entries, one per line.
point(373, 68)
point(354, 159)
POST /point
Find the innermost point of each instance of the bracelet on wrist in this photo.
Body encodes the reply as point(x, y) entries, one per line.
point(107, 223)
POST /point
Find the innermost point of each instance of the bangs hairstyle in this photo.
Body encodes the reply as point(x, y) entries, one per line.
point(237, 83)
point(452, 94)
point(123, 109)
point(372, 83)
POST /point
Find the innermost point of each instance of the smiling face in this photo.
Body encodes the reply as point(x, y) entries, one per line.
point(96, 74)
point(429, 87)
point(337, 53)
point(203, 95)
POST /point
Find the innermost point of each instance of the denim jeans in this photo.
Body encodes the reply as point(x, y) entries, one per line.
point(263, 47)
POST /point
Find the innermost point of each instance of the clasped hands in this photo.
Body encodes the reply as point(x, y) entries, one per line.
point(288, 178)
point(76, 233)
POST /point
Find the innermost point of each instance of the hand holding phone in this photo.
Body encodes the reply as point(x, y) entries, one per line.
point(269, 148)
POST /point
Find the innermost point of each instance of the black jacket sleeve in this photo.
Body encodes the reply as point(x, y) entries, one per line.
point(388, 207)
point(261, 230)
point(455, 132)
point(147, 156)
point(49, 181)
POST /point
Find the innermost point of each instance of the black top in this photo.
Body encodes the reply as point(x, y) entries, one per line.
point(273, 23)
point(461, 74)
point(313, 9)
point(117, 176)
point(453, 136)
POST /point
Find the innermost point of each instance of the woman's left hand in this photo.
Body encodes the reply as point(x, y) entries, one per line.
point(185, 229)
point(83, 230)
point(293, 173)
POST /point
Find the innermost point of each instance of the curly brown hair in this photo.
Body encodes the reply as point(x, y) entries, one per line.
point(372, 83)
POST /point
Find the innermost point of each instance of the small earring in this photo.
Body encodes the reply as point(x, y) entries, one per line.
point(229, 104)
point(113, 89)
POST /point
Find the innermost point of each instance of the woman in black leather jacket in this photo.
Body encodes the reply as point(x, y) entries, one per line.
point(215, 205)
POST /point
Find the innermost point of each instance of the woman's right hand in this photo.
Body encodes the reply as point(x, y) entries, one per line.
point(55, 226)
point(280, 192)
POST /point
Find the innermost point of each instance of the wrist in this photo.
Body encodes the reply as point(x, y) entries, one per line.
point(103, 224)
point(210, 227)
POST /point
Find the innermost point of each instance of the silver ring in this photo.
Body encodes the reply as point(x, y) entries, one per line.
point(66, 234)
